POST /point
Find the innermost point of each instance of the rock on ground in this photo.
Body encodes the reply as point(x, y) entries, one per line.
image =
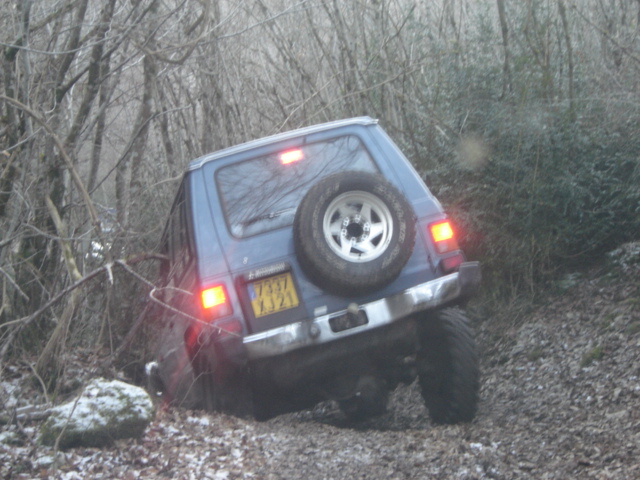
point(105, 411)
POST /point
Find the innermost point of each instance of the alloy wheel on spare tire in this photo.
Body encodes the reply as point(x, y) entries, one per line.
point(448, 367)
point(353, 232)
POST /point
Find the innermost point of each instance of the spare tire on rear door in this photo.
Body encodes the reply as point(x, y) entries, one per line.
point(353, 232)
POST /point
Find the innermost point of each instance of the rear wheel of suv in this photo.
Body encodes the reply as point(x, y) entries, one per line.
point(353, 232)
point(448, 371)
point(203, 366)
point(216, 386)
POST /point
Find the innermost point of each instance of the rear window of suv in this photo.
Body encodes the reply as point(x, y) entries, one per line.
point(263, 193)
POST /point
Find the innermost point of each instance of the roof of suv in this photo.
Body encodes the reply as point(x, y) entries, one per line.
point(199, 162)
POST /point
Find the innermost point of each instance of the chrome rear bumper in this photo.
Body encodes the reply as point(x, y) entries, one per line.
point(379, 313)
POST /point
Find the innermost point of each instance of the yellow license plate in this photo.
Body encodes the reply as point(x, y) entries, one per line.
point(273, 295)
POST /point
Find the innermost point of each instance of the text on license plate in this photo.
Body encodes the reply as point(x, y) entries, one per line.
point(273, 294)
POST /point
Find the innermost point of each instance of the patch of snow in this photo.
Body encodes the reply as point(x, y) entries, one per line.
point(203, 421)
point(71, 476)
point(8, 437)
point(8, 391)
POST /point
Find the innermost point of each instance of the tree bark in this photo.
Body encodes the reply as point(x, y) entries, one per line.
point(567, 39)
point(507, 84)
point(48, 364)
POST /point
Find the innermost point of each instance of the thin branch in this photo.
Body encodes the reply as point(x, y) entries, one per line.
point(93, 214)
point(20, 323)
point(605, 34)
point(14, 284)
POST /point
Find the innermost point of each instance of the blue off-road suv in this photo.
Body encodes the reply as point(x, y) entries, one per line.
point(313, 265)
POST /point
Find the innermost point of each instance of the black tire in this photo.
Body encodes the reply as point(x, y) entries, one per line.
point(353, 233)
point(448, 370)
point(172, 374)
point(219, 387)
point(264, 404)
point(204, 366)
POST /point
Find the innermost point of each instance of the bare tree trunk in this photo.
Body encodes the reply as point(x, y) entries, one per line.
point(141, 126)
point(507, 84)
point(93, 82)
point(47, 365)
point(70, 50)
point(537, 35)
point(96, 149)
point(567, 38)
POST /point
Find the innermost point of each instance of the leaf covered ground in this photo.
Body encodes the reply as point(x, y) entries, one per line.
point(560, 400)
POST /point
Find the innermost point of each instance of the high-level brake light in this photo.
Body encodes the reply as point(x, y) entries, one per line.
point(291, 156)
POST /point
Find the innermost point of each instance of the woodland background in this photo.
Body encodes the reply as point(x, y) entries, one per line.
point(523, 116)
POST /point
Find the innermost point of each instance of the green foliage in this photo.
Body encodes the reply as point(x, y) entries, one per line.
point(537, 160)
point(552, 195)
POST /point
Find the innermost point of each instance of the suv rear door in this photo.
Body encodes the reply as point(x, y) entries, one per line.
point(253, 196)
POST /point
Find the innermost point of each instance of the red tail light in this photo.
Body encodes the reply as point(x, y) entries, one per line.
point(215, 302)
point(443, 237)
point(214, 296)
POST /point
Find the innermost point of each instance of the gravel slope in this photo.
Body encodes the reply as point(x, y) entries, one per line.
point(560, 398)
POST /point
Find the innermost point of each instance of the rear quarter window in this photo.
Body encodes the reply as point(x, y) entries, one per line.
point(263, 193)
point(177, 243)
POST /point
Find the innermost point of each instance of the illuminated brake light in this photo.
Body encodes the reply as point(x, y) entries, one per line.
point(213, 297)
point(443, 237)
point(291, 156)
point(441, 231)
